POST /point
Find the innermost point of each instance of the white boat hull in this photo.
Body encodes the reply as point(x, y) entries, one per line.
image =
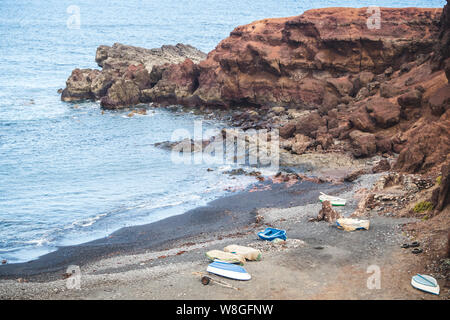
point(425, 283)
point(335, 201)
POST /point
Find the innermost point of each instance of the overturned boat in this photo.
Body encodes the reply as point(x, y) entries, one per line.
point(335, 201)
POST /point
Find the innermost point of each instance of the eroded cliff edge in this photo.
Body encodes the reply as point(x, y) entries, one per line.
point(325, 79)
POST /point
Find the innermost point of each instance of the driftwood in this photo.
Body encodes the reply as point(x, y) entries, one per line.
point(206, 279)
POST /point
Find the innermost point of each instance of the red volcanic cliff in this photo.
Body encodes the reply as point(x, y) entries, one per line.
point(375, 90)
point(288, 61)
point(326, 79)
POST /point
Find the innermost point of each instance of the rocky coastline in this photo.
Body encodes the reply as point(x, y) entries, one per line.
point(344, 97)
point(324, 79)
point(327, 81)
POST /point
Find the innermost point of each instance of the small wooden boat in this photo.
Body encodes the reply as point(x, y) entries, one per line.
point(349, 224)
point(335, 201)
point(225, 256)
point(425, 283)
point(228, 270)
point(272, 233)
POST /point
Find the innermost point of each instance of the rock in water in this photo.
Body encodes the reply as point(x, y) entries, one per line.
point(127, 70)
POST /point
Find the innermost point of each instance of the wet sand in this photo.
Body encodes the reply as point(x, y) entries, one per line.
point(219, 217)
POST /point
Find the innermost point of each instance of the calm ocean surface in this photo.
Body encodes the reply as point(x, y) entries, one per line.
point(69, 174)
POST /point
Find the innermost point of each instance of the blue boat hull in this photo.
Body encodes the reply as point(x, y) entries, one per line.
point(271, 234)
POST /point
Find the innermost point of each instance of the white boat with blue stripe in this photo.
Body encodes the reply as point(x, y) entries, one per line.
point(228, 270)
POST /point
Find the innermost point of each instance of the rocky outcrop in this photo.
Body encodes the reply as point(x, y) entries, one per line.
point(327, 213)
point(441, 195)
point(126, 72)
point(312, 59)
point(79, 85)
point(442, 48)
point(324, 78)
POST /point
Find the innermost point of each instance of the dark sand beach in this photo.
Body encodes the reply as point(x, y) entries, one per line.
point(318, 261)
point(221, 216)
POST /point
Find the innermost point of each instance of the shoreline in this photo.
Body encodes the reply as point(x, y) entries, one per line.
point(328, 262)
point(225, 214)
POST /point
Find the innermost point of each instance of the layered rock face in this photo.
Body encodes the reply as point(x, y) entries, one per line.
point(126, 71)
point(306, 61)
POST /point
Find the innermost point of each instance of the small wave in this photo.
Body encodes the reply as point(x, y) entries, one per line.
point(89, 221)
point(38, 242)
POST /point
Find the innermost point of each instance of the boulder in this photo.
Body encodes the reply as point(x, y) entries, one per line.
point(382, 166)
point(287, 130)
point(384, 112)
point(309, 124)
point(411, 99)
point(325, 140)
point(352, 176)
point(362, 121)
point(441, 196)
point(361, 81)
point(101, 84)
point(387, 90)
point(121, 93)
point(384, 144)
point(362, 94)
point(327, 213)
point(342, 85)
point(440, 100)
point(78, 85)
point(301, 143)
point(363, 143)
point(176, 85)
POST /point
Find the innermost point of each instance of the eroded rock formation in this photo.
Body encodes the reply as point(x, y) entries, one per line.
point(324, 78)
point(126, 72)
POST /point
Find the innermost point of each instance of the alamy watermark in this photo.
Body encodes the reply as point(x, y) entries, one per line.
point(74, 277)
point(374, 20)
point(374, 280)
point(74, 20)
point(257, 148)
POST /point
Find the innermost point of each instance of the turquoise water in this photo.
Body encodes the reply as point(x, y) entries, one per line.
point(69, 173)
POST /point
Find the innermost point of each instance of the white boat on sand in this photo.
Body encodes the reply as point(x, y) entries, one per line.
point(335, 201)
point(425, 283)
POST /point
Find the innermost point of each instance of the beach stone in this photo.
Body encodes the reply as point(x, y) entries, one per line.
point(385, 113)
point(301, 143)
point(382, 166)
point(287, 130)
point(327, 213)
